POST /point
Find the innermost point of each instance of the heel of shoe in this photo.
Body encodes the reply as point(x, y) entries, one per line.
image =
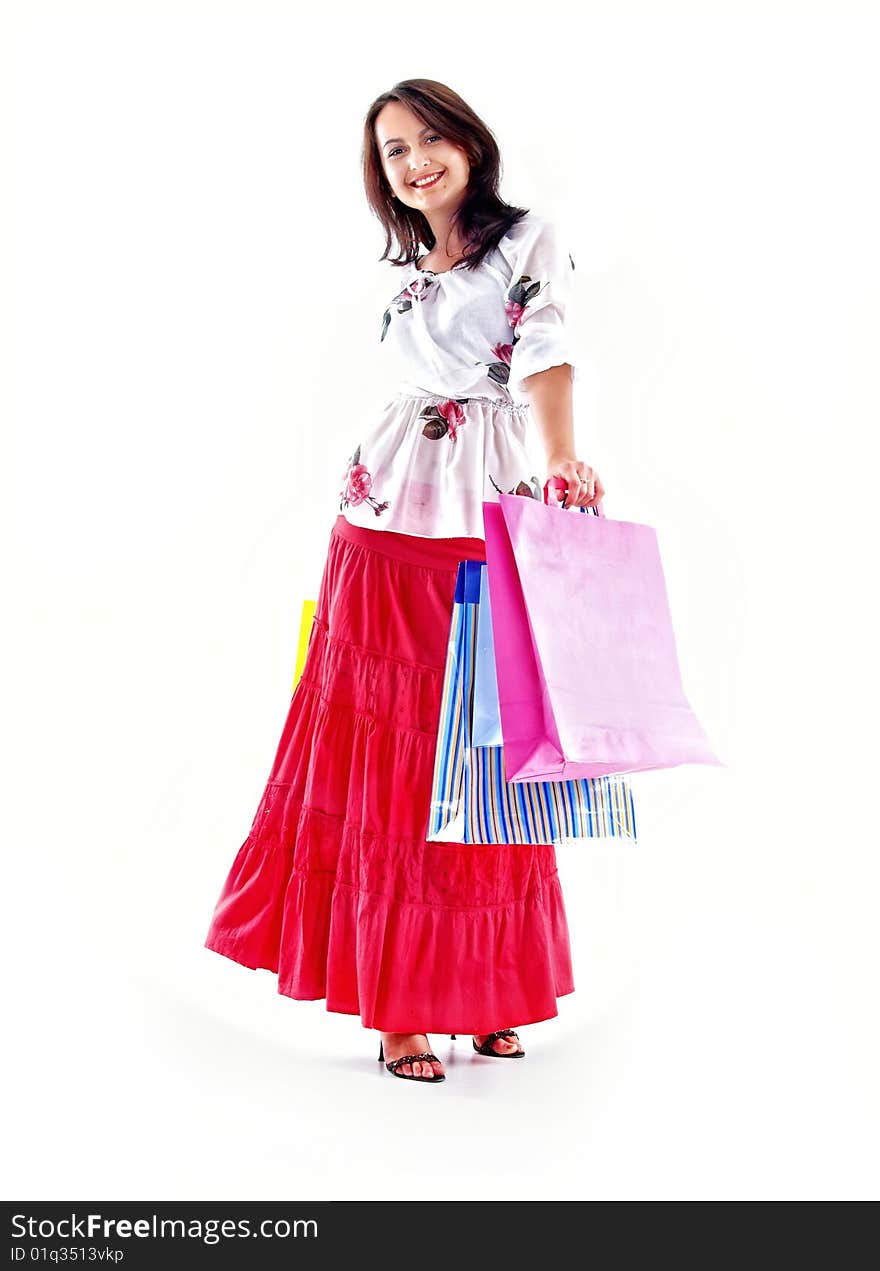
point(381, 1053)
point(452, 1037)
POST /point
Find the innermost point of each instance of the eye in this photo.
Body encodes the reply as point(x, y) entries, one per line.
point(434, 136)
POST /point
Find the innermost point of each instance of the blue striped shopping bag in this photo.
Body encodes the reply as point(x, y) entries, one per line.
point(471, 801)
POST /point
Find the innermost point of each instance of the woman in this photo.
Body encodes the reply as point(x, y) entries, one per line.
point(336, 888)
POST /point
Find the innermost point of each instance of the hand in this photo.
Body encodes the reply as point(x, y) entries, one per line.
point(585, 489)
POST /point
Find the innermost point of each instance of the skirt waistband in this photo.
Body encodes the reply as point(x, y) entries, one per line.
point(517, 408)
point(428, 553)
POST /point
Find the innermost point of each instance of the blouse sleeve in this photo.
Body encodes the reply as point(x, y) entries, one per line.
point(539, 303)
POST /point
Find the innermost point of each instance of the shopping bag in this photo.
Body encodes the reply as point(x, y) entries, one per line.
point(471, 802)
point(305, 632)
point(586, 662)
point(486, 729)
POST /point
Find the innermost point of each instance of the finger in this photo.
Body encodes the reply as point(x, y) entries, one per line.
point(574, 494)
point(596, 494)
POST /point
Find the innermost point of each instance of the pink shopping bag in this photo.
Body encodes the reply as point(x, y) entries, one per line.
point(588, 675)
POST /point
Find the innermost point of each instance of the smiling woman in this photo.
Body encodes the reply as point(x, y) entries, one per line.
point(427, 171)
point(336, 888)
point(420, 128)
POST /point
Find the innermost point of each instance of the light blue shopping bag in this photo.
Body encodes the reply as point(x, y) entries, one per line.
point(486, 730)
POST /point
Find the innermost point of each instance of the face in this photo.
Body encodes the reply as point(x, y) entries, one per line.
point(411, 149)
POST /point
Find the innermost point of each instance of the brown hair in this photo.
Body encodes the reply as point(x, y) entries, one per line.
point(483, 217)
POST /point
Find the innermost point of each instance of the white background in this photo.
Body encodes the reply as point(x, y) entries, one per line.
point(190, 316)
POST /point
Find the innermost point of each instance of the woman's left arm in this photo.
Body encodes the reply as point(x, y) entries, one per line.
point(540, 308)
point(550, 396)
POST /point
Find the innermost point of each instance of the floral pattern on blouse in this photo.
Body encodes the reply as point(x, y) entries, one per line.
point(518, 296)
point(530, 489)
point(357, 484)
point(403, 301)
point(443, 419)
point(516, 300)
point(499, 369)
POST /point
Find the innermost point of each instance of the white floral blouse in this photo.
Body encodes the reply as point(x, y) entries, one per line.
point(459, 429)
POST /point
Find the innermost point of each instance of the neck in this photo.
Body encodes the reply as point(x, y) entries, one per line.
point(446, 236)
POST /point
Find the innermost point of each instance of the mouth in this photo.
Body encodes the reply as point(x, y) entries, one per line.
point(425, 182)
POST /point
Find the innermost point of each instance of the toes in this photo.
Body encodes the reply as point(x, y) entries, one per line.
point(501, 1045)
point(424, 1068)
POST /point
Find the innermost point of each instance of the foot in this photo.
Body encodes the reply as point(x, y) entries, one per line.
point(501, 1045)
point(397, 1044)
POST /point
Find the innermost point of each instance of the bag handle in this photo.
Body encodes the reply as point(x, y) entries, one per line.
point(559, 486)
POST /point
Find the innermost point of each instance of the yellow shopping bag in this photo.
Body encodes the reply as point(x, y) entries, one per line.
point(305, 631)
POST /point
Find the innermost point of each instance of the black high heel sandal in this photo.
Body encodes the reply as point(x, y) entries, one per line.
point(486, 1048)
point(411, 1059)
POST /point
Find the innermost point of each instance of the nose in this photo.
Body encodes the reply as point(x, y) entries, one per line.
point(415, 163)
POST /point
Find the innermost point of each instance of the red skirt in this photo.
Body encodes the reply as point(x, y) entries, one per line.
point(336, 889)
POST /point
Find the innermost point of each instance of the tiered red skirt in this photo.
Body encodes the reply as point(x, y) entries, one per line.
point(335, 888)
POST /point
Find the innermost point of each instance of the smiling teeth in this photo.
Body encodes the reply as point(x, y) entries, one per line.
point(427, 180)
